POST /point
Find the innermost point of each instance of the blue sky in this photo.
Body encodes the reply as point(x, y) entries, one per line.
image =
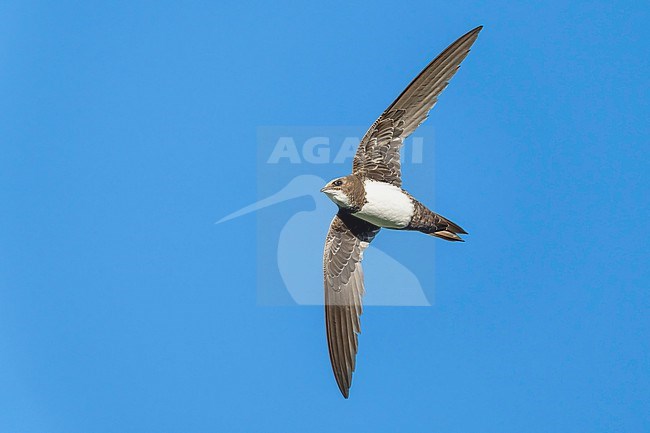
point(128, 129)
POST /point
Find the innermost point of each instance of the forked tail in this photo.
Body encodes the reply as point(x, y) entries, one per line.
point(431, 223)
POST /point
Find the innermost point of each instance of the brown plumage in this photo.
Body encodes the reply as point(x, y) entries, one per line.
point(347, 238)
point(371, 197)
point(352, 187)
point(429, 222)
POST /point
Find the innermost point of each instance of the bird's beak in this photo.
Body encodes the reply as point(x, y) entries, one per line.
point(323, 189)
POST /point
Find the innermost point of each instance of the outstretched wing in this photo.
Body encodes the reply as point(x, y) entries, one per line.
point(348, 236)
point(378, 156)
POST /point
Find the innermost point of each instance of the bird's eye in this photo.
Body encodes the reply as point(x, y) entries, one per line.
point(338, 183)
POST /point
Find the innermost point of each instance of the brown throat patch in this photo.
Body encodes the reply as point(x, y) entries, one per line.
point(353, 188)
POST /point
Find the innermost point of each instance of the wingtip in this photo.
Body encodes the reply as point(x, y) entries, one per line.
point(474, 32)
point(470, 37)
point(345, 392)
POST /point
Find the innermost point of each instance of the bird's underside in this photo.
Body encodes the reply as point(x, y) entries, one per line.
point(371, 198)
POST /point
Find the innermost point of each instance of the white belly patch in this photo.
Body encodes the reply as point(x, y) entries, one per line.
point(388, 206)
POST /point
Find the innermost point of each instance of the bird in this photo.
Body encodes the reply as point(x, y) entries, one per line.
point(372, 198)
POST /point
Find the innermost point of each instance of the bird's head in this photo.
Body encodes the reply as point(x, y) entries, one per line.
point(345, 191)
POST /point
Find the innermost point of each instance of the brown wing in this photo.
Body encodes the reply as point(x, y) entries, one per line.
point(378, 156)
point(348, 236)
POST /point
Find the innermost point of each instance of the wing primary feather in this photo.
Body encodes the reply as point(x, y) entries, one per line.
point(347, 238)
point(378, 155)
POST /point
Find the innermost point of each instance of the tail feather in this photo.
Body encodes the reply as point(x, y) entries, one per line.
point(426, 221)
point(447, 235)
